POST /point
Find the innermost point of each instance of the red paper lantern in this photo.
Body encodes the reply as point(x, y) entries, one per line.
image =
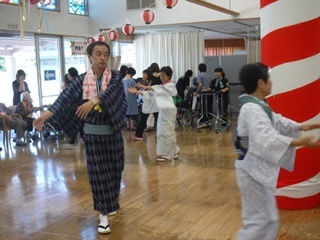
point(128, 29)
point(34, 2)
point(147, 16)
point(101, 38)
point(90, 40)
point(112, 35)
point(170, 3)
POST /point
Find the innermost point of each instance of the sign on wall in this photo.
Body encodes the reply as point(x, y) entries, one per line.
point(49, 75)
point(78, 47)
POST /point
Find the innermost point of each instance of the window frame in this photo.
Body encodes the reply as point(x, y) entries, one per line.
point(86, 5)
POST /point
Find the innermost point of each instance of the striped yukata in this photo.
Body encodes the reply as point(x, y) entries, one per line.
point(104, 153)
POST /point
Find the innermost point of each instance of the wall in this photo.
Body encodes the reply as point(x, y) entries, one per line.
point(60, 23)
point(106, 13)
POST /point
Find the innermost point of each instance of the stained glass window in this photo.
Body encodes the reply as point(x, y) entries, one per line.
point(49, 5)
point(78, 7)
point(10, 1)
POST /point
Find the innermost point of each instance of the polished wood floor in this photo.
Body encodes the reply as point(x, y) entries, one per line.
point(44, 193)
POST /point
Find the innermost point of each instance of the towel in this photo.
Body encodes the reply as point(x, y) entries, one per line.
point(89, 86)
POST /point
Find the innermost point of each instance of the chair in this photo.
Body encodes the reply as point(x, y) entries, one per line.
point(6, 130)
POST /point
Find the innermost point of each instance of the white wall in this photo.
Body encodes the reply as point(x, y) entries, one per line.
point(60, 23)
point(113, 13)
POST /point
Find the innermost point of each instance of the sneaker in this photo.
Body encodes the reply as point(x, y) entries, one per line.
point(69, 145)
point(20, 143)
point(137, 138)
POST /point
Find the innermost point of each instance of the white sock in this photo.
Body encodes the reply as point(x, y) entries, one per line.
point(103, 220)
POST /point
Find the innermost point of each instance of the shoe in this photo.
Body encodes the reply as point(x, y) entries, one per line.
point(103, 229)
point(222, 128)
point(20, 143)
point(112, 214)
point(14, 139)
point(163, 159)
point(28, 139)
point(0, 148)
point(69, 145)
point(148, 129)
point(137, 138)
point(176, 155)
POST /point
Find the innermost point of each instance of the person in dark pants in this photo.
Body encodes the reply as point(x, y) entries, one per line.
point(146, 81)
point(19, 86)
point(97, 99)
point(183, 84)
point(221, 86)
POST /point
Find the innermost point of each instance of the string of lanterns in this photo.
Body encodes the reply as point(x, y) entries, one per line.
point(147, 16)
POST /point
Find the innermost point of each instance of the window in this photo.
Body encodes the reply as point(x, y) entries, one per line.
point(78, 7)
point(51, 5)
point(140, 4)
point(10, 1)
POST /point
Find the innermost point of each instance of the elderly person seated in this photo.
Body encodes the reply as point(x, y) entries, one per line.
point(15, 122)
point(25, 109)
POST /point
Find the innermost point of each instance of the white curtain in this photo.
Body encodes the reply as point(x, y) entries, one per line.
point(181, 51)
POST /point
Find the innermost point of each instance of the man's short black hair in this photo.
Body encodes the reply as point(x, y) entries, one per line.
point(250, 74)
point(99, 43)
point(202, 67)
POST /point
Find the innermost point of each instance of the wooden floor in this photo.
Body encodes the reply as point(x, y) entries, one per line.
point(44, 193)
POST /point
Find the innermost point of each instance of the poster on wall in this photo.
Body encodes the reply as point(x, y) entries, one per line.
point(78, 48)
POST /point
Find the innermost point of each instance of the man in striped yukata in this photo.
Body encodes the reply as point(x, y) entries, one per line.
point(97, 100)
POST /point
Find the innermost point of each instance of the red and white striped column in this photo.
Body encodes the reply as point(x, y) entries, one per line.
point(290, 39)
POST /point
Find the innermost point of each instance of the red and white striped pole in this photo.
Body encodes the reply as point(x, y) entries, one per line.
point(290, 32)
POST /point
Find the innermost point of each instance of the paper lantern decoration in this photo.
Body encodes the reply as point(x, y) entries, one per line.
point(34, 2)
point(112, 35)
point(170, 3)
point(101, 38)
point(128, 29)
point(147, 16)
point(90, 40)
point(47, 2)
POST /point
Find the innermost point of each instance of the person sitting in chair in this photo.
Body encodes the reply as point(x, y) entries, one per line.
point(14, 122)
point(25, 109)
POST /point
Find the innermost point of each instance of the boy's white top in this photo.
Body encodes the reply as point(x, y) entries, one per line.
point(269, 143)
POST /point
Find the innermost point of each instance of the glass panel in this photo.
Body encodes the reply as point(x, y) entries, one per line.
point(10, 1)
point(52, 5)
point(133, 4)
point(77, 7)
point(77, 61)
point(148, 3)
point(17, 53)
point(50, 68)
